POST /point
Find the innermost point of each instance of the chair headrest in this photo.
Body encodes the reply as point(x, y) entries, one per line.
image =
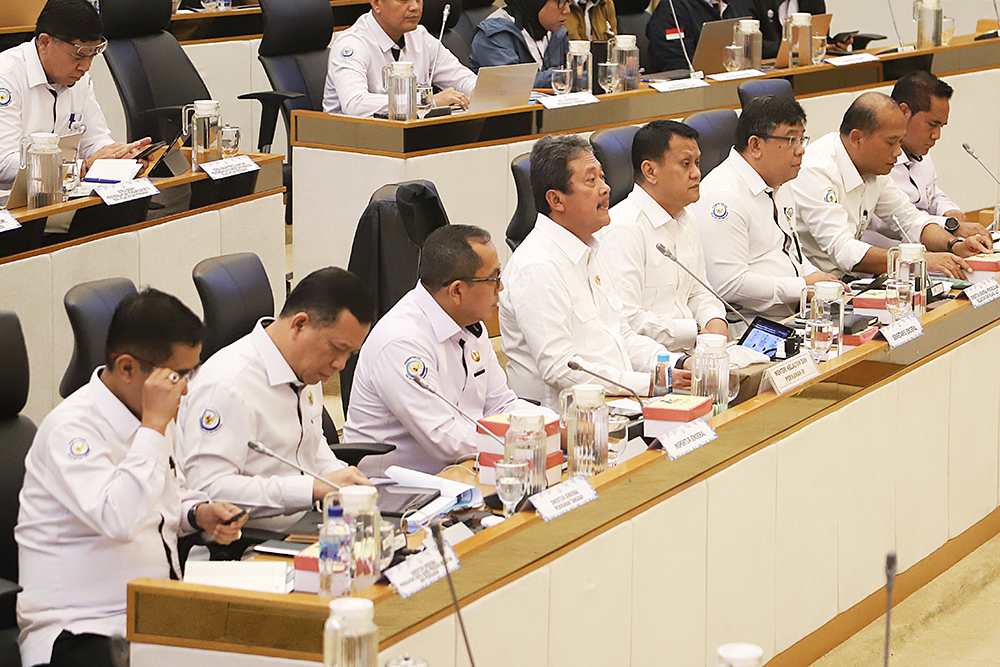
point(295, 26)
point(13, 366)
point(421, 210)
point(630, 6)
point(434, 10)
point(134, 18)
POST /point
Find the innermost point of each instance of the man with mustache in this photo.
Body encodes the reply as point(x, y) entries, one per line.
point(746, 215)
point(560, 304)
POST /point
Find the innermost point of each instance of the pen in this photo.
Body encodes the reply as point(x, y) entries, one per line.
point(100, 181)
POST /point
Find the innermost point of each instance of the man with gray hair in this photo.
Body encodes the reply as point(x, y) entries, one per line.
point(435, 333)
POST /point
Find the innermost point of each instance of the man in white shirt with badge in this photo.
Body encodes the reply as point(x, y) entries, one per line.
point(436, 333)
point(390, 32)
point(559, 303)
point(746, 214)
point(103, 498)
point(845, 180)
point(45, 87)
point(660, 299)
point(266, 388)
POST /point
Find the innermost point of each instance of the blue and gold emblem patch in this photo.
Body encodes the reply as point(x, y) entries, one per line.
point(78, 448)
point(347, 52)
point(415, 367)
point(720, 211)
point(830, 197)
point(210, 420)
point(5, 97)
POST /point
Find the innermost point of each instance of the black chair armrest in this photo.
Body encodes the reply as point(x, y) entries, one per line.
point(169, 120)
point(8, 589)
point(352, 453)
point(270, 105)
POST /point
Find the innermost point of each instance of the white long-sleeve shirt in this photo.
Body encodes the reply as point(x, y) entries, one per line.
point(834, 206)
point(247, 391)
point(354, 74)
point(660, 300)
point(917, 179)
point(751, 258)
point(101, 497)
point(418, 336)
point(559, 304)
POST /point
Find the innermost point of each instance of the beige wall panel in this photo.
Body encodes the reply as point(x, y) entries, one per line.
point(168, 252)
point(258, 226)
point(108, 98)
point(158, 655)
point(435, 644)
point(26, 287)
point(823, 113)
point(225, 69)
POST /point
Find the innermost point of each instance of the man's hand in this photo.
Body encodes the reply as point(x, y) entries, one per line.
point(973, 245)
point(950, 265)
point(843, 46)
point(717, 326)
point(682, 379)
point(450, 96)
point(971, 229)
point(212, 517)
point(818, 277)
point(160, 399)
point(117, 151)
point(343, 477)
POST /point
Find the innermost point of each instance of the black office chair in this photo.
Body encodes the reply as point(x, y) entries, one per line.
point(613, 147)
point(90, 306)
point(717, 134)
point(632, 18)
point(234, 293)
point(523, 220)
point(749, 90)
point(474, 12)
point(16, 434)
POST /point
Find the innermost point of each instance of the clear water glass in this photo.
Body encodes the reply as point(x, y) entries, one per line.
point(819, 338)
point(425, 99)
point(732, 58)
point(210, 5)
point(617, 437)
point(947, 30)
point(899, 298)
point(562, 78)
point(819, 49)
point(609, 76)
point(229, 141)
point(512, 480)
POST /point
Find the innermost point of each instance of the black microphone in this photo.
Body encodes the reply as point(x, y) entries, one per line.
point(419, 381)
point(266, 451)
point(439, 541)
point(577, 367)
point(669, 255)
point(890, 581)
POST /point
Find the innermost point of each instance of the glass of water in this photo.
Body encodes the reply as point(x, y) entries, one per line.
point(947, 30)
point(512, 480)
point(561, 79)
point(732, 58)
point(210, 5)
point(899, 298)
point(819, 49)
point(819, 338)
point(617, 437)
point(609, 76)
point(229, 141)
point(425, 99)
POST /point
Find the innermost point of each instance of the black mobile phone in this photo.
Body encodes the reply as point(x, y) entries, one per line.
point(150, 149)
point(234, 519)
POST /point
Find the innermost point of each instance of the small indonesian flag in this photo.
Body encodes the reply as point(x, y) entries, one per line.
point(676, 33)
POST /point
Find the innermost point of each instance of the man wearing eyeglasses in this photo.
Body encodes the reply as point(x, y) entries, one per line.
point(746, 215)
point(45, 87)
point(434, 333)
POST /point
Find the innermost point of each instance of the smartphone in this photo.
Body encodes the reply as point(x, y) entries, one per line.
point(232, 520)
point(150, 149)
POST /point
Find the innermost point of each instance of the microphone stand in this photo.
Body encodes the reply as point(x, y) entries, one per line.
point(437, 52)
point(577, 367)
point(890, 582)
point(419, 381)
point(671, 256)
point(266, 451)
point(439, 541)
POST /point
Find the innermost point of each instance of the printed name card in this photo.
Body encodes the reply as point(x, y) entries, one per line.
point(852, 59)
point(119, 193)
point(687, 438)
point(679, 84)
point(568, 100)
point(421, 570)
point(792, 373)
point(980, 293)
point(232, 166)
point(738, 74)
point(564, 497)
point(8, 222)
point(902, 330)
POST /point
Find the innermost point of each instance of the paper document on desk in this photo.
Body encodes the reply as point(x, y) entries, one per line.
point(454, 495)
point(113, 171)
point(625, 406)
point(265, 576)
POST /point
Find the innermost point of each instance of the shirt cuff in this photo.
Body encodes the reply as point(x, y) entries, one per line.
point(298, 493)
point(637, 382)
point(686, 333)
point(149, 442)
point(852, 253)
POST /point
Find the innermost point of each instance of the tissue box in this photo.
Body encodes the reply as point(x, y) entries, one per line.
point(492, 452)
point(665, 413)
point(307, 569)
point(872, 299)
point(983, 266)
point(860, 337)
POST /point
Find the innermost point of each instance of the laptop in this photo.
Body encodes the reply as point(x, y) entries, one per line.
point(503, 86)
point(820, 28)
point(715, 36)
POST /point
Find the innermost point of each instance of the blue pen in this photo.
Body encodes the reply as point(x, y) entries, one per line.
point(72, 118)
point(99, 181)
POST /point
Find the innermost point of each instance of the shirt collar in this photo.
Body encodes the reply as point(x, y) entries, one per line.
point(442, 324)
point(383, 40)
point(565, 240)
point(848, 172)
point(746, 171)
point(278, 370)
point(124, 423)
point(655, 213)
point(35, 71)
point(906, 160)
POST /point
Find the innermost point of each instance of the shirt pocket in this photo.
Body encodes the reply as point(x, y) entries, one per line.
point(586, 325)
point(662, 275)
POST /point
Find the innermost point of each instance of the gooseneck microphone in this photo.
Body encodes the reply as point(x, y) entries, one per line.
point(671, 256)
point(890, 582)
point(968, 149)
point(680, 35)
point(439, 541)
point(437, 52)
point(420, 382)
point(267, 451)
point(577, 367)
point(895, 26)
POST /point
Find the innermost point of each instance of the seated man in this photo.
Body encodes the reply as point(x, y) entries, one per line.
point(592, 20)
point(665, 36)
point(391, 31)
point(45, 87)
point(436, 331)
point(103, 501)
point(524, 31)
point(266, 387)
point(746, 214)
point(772, 14)
point(845, 180)
point(660, 299)
point(560, 304)
point(925, 98)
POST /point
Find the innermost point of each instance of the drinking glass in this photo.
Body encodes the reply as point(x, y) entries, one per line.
point(899, 298)
point(947, 30)
point(609, 76)
point(819, 338)
point(617, 437)
point(425, 99)
point(819, 49)
point(561, 78)
point(732, 58)
point(512, 479)
point(229, 141)
point(71, 170)
point(210, 5)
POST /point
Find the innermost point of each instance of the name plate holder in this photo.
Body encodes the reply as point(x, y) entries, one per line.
point(678, 84)
point(902, 331)
point(853, 59)
point(119, 193)
point(8, 222)
point(233, 166)
point(980, 293)
point(569, 100)
point(687, 438)
point(790, 373)
point(564, 497)
point(421, 570)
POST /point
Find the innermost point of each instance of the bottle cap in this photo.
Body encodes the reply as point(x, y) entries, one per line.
point(578, 46)
point(334, 511)
point(829, 290)
point(206, 107)
point(740, 654)
point(801, 18)
point(44, 142)
point(625, 41)
point(911, 252)
point(527, 420)
point(588, 395)
point(663, 357)
point(749, 25)
point(353, 612)
point(710, 342)
point(402, 68)
point(358, 498)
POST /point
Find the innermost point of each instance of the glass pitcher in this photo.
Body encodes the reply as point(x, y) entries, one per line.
point(42, 160)
point(906, 263)
point(929, 17)
point(361, 513)
point(747, 37)
point(626, 54)
point(584, 415)
point(201, 122)
point(400, 83)
point(798, 34)
point(821, 306)
point(580, 64)
point(525, 440)
point(710, 375)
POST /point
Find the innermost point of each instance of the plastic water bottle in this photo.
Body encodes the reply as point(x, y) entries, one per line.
point(334, 554)
point(663, 375)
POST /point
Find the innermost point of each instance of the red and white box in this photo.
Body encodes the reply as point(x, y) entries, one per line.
point(860, 337)
point(665, 413)
point(492, 452)
point(872, 299)
point(307, 570)
point(983, 266)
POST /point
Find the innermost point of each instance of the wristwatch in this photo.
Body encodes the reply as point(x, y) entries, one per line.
point(951, 225)
point(955, 241)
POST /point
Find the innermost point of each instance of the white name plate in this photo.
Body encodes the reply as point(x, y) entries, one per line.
point(738, 74)
point(980, 293)
point(569, 100)
point(852, 59)
point(421, 570)
point(564, 497)
point(679, 84)
point(792, 373)
point(687, 438)
point(232, 166)
point(8, 222)
point(119, 193)
point(902, 330)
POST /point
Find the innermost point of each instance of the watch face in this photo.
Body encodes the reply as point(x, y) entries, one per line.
point(951, 225)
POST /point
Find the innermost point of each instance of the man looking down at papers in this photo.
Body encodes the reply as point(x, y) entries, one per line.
point(266, 387)
point(436, 333)
point(103, 499)
point(845, 180)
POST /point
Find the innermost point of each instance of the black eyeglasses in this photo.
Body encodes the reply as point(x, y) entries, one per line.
point(184, 375)
point(85, 51)
point(792, 141)
point(492, 279)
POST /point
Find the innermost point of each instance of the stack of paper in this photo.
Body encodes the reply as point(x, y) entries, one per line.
point(454, 495)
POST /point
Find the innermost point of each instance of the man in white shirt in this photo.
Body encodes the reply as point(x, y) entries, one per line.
point(266, 387)
point(660, 299)
point(845, 180)
point(746, 215)
point(434, 332)
point(559, 303)
point(390, 32)
point(103, 499)
point(45, 87)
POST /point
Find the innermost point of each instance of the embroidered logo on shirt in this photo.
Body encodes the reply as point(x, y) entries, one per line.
point(415, 367)
point(5, 97)
point(789, 212)
point(347, 52)
point(310, 397)
point(597, 279)
point(78, 448)
point(210, 420)
point(475, 355)
point(830, 197)
point(720, 211)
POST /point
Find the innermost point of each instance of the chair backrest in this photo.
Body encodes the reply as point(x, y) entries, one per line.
point(149, 67)
point(613, 147)
point(749, 90)
point(523, 220)
point(433, 12)
point(470, 20)
point(717, 134)
point(234, 293)
point(90, 306)
point(635, 24)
